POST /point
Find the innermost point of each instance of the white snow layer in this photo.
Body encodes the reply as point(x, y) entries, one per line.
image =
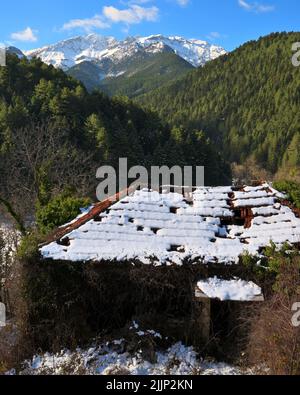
point(167, 229)
point(92, 47)
point(104, 360)
point(234, 290)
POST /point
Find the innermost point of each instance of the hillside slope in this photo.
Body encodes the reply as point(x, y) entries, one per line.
point(147, 74)
point(247, 101)
point(88, 73)
point(133, 76)
point(61, 134)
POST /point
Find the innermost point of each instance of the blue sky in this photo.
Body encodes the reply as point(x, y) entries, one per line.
point(33, 23)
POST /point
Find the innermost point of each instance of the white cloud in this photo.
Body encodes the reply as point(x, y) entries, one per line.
point(88, 24)
point(183, 3)
point(244, 5)
point(214, 36)
point(26, 35)
point(135, 2)
point(255, 7)
point(132, 15)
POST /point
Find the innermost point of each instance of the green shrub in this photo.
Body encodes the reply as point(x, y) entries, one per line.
point(248, 260)
point(275, 256)
point(28, 247)
point(60, 210)
point(291, 188)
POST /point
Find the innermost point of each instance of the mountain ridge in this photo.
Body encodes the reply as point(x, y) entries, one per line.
point(99, 61)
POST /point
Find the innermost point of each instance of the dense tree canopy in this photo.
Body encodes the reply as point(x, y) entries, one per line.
point(144, 72)
point(146, 75)
point(54, 134)
point(247, 102)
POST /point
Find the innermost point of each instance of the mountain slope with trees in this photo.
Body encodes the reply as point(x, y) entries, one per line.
point(147, 75)
point(247, 102)
point(140, 74)
point(54, 135)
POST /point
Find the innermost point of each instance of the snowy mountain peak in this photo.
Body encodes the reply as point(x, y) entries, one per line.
point(67, 53)
point(196, 52)
point(93, 47)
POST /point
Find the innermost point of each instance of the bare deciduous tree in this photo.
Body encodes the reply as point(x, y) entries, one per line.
point(41, 158)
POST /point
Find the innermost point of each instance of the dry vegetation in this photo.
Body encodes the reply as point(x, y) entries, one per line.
point(12, 348)
point(273, 339)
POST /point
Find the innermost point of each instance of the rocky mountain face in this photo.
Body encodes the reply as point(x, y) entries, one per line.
point(68, 53)
point(15, 51)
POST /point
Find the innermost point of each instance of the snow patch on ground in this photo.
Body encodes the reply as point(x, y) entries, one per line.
point(104, 360)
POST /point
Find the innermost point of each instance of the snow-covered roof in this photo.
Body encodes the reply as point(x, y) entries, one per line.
point(230, 290)
point(212, 225)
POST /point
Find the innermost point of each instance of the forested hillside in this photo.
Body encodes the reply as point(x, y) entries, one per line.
point(248, 102)
point(140, 74)
point(54, 135)
point(147, 74)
